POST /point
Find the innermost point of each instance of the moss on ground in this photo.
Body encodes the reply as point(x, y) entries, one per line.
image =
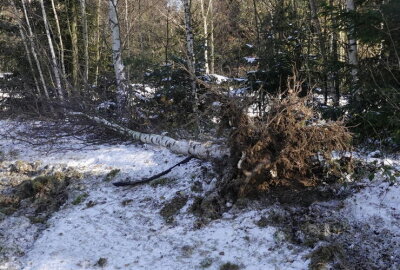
point(172, 207)
point(229, 266)
point(111, 175)
point(80, 198)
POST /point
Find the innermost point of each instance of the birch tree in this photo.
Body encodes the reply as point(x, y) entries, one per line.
point(54, 62)
point(34, 52)
point(119, 67)
point(205, 15)
point(24, 41)
point(61, 52)
point(207, 150)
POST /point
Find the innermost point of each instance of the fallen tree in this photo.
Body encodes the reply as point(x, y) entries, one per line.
point(290, 148)
point(205, 151)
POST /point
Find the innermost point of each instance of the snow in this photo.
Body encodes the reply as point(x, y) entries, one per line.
point(144, 92)
point(5, 74)
point(379, 203)
point(239, 91)
point(106, 105)
point(219, 79)
point(250, 60)
point(135, 236)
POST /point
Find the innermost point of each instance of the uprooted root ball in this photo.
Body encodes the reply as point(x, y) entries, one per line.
point(291, 147)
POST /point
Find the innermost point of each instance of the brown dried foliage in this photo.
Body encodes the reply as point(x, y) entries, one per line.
point(290, 147)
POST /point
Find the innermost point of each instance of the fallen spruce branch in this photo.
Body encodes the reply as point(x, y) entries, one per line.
point(205, 151)
point(154, 177)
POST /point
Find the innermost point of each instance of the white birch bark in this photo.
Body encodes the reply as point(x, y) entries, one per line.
point(119, 67)
point(60, 40)
point(206, 151)
point(204, 14)
point(189, 37)
point(33, 50)
point(24, 41)
point(55, 66)
point(352, 45)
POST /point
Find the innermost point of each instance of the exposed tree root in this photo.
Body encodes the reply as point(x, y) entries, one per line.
point(154, 177)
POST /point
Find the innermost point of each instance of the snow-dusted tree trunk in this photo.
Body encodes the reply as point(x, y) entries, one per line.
point(352, 45)
point(54, 62)
point(33, 50)
point(85, 41)
point(119, 67)
point(206, 151)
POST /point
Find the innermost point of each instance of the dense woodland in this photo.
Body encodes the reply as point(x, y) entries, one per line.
point(83, 53)
point(190, 67)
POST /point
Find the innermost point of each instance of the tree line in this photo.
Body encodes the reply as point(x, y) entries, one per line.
point(68, 51)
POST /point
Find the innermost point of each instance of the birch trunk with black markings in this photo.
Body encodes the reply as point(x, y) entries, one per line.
point(200, 150)
point(119, 67)
point(54, 62)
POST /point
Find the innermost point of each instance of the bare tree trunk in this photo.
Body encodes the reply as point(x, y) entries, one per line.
point(54, 62)
point(207, 151)
point(321, 42)
point(190, 57)
point(257, 24)
point(85, 41)
point(60, 40)
point(97, 42)
point(73, 28)
point(212, 48)
point(128, 40)
point(24, 41)
point(34, 53)
point(204, 14)
point(352, 47)
point(167, 36)
point(119, 67)
point(335, 82)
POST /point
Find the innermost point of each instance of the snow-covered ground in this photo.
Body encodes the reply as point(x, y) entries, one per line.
point(123, 228)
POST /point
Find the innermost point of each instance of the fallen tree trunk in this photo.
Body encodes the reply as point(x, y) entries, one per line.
point(206, 151)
